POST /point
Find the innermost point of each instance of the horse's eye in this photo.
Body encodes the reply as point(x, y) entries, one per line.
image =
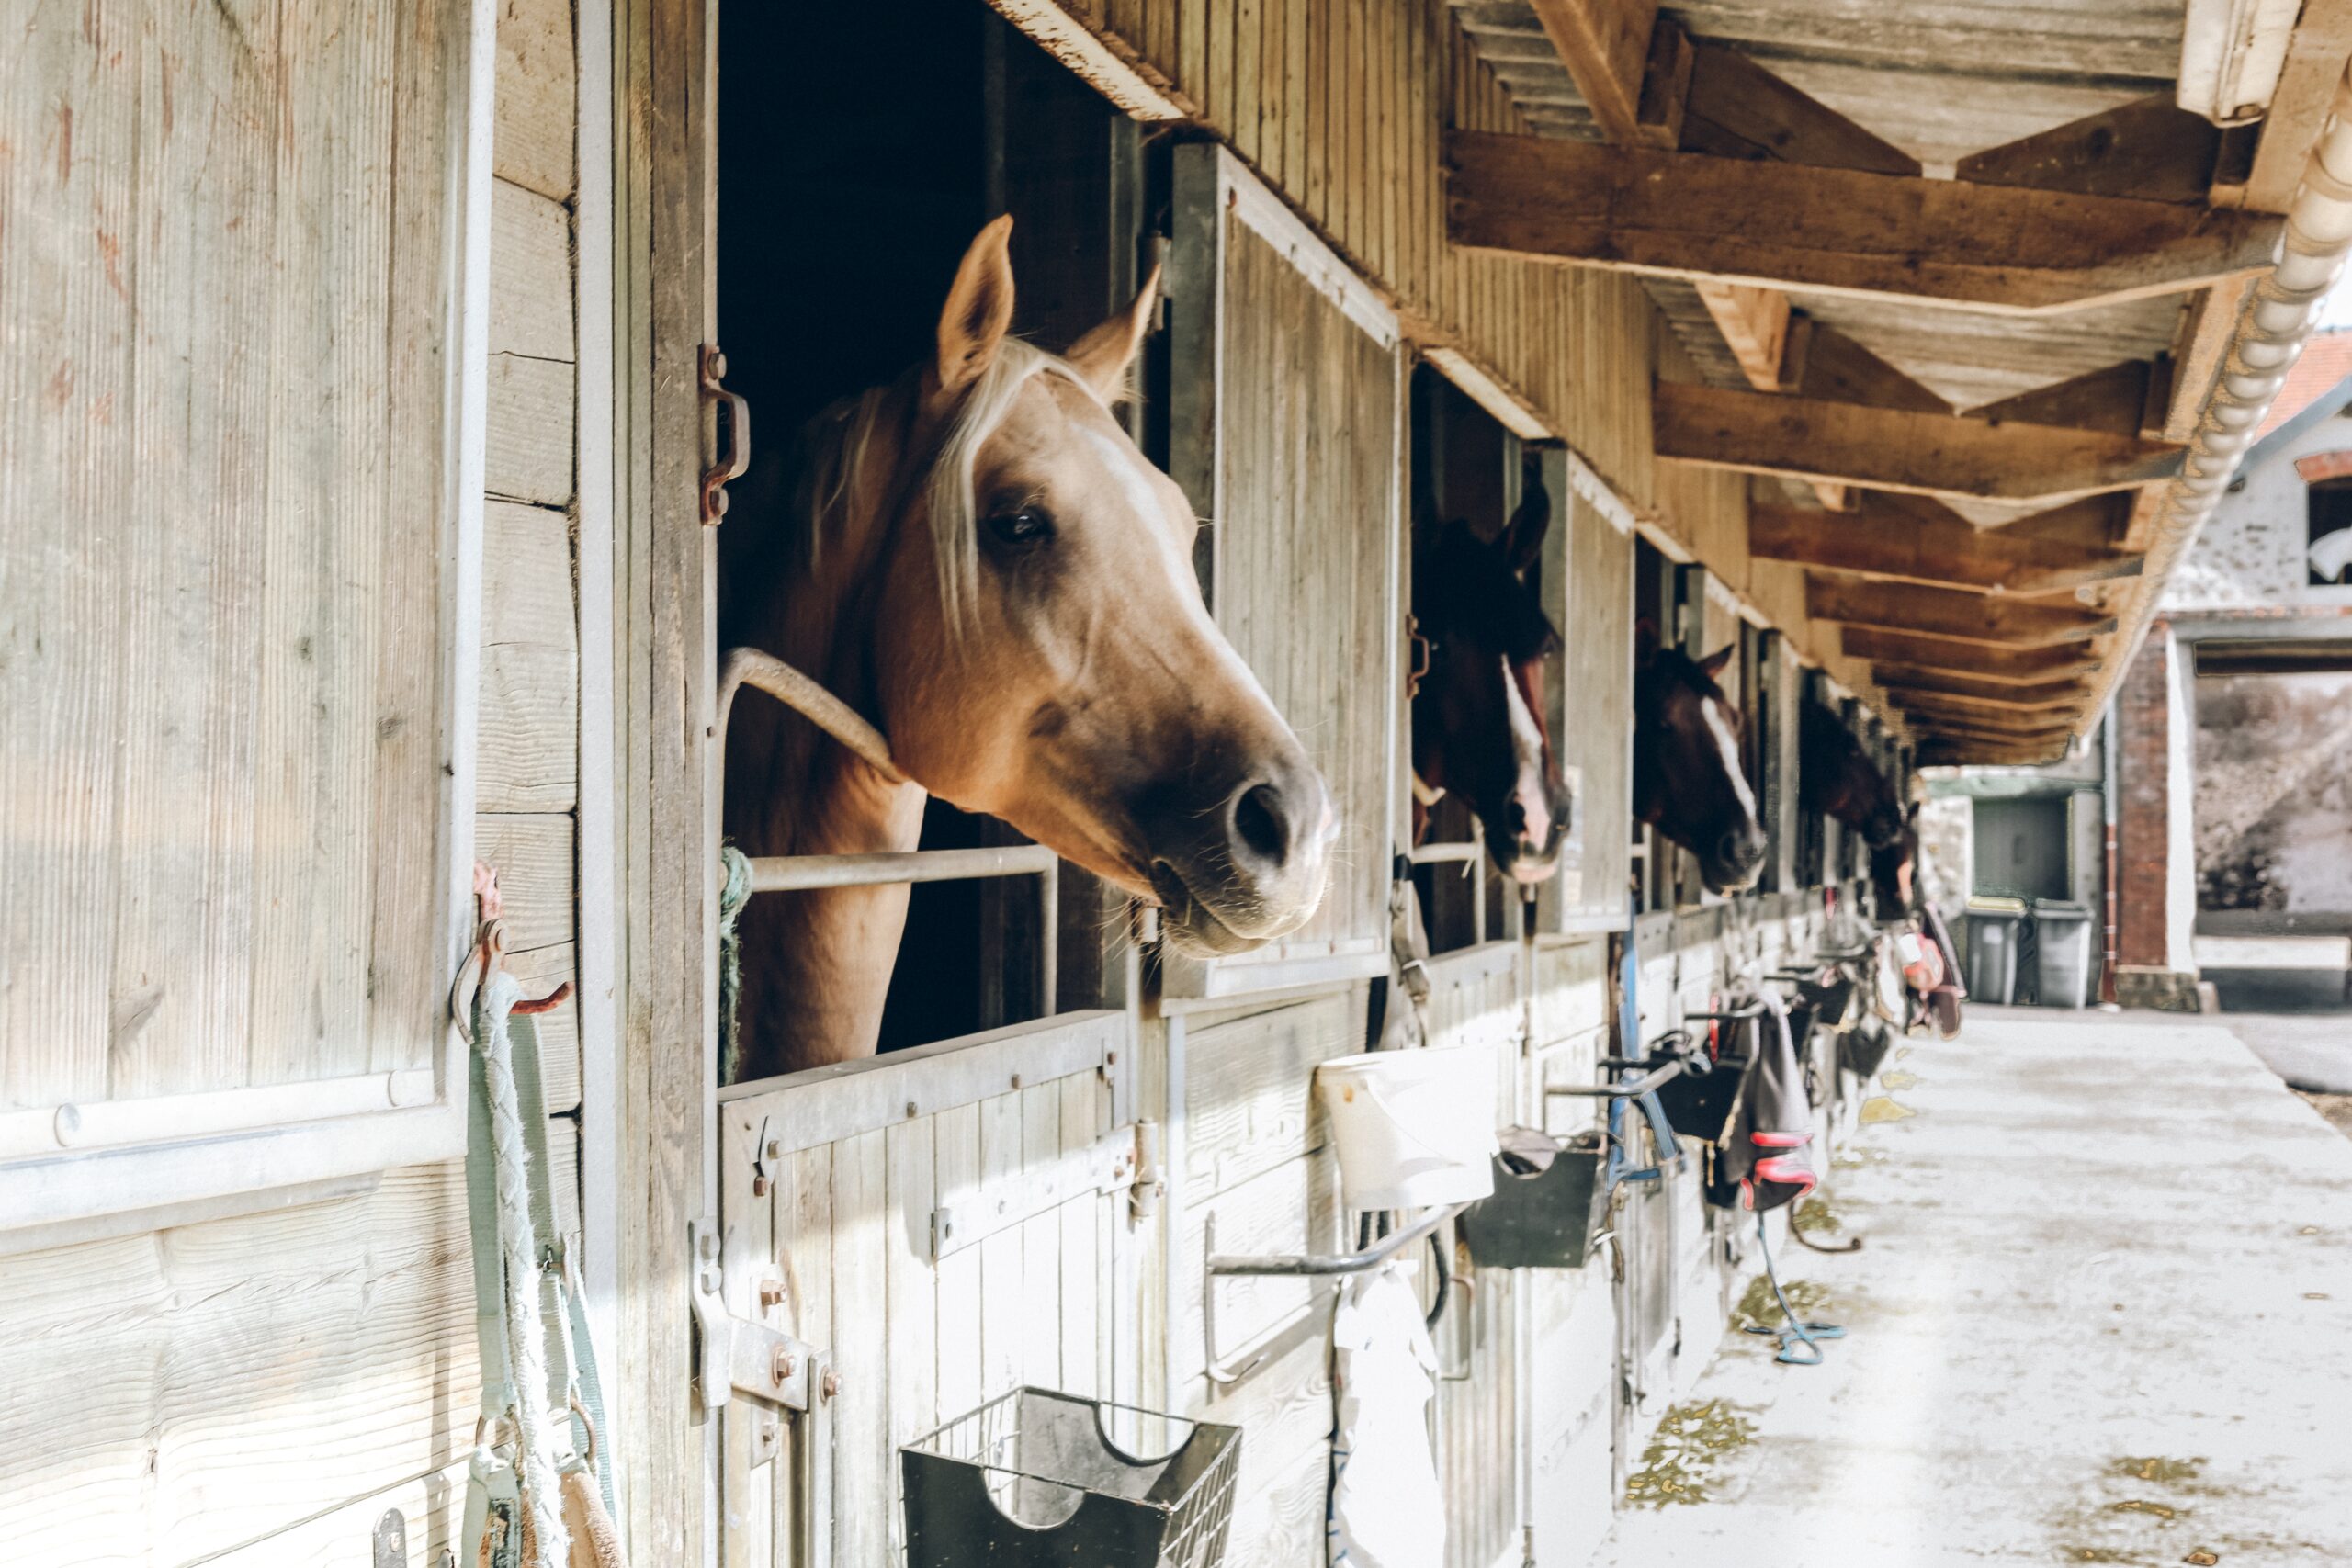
point(1024, 529)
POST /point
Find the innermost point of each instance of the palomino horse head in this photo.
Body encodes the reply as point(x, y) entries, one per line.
point(996, 576)
point(1687, 776)
point(1479, 712)
point(1837, 776)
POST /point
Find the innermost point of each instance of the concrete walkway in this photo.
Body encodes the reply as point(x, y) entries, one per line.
point(2104, 1315)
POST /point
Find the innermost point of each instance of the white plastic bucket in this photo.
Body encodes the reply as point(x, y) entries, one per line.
point(1414, 1129)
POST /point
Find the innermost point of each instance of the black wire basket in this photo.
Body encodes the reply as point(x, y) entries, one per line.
point(1549, 1200)
point(1039, 1479)
point(1862, 1052)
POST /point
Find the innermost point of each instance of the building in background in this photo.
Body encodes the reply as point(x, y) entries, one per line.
point(2222, 766)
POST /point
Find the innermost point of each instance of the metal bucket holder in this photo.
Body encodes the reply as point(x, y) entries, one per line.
point(1037, 1479)
point(1648, 1074)
point(1222, 1265)
point(1703, 1102)
point(1546, 1218)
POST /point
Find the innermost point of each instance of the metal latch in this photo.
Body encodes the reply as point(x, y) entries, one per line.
point(1126, 1157)
point(742, 1355)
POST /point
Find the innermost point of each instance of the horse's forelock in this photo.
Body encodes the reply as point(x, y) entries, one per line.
point(948, 489)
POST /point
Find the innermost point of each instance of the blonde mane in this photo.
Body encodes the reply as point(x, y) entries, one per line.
point(837, 489)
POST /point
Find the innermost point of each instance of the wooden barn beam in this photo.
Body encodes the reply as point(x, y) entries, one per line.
point(1759, 329)
point(2208, 322)
point(1947, 612)
point(2016, 666)
point(1738, 109)
point(1998, 709)
point(1995, 693)
point(1807, 438)
point(1991, 728)
point(2114, 399)
point(1839, 370)
point(1607, 47)
point(2094, 522)
point(2150, 149)
point(1879, 540)
point(1835, 231)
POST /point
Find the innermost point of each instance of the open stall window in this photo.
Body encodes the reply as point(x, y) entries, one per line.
point(238, 880)
point(980, 121)
point(1466, 474)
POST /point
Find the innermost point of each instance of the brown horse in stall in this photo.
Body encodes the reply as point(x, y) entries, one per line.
point(1481, 642)
point(983, 565)
point(1688, 781)
point(1836, 776)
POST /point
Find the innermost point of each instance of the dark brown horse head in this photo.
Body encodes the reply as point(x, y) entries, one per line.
point(1688, 781)
point(1837, 776)
point(1895, 868)
point(1478, 728)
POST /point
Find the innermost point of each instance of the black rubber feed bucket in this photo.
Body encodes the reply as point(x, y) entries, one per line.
point(1862, 1052)
point(1703, 1107)
point(1547, 1204)
point(1039, 1479)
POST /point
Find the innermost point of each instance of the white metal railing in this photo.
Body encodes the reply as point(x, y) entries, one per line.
point(742, 667)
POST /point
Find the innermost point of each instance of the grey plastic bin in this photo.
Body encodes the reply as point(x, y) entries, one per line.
point(2063, 963)
point(1994, 926)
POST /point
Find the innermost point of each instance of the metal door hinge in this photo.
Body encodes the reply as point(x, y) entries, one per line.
point(1126, 1157)
point(390, 1541)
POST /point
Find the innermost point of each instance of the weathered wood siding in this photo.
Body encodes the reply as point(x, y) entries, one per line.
point(845, 1233)
point(265, 1385)
point(1251, 1151)
point(220, 620)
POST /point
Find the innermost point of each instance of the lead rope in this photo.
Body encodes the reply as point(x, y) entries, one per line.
point(519, 1256)
point(1794, 1330)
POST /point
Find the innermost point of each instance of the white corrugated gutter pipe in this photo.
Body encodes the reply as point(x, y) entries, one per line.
point(2273, 325)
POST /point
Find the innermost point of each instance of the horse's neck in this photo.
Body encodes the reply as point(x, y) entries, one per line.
point(817, 965)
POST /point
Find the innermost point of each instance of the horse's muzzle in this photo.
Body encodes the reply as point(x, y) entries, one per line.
point(1252, 866)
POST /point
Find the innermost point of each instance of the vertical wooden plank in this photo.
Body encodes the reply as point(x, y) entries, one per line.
point(1084, 1335)
point(1273, 102)
point(747, 1496)
point(958, 1340)
point(1041, 1240)
point(323, 535)
point(1193, 54)
point(1297, 99)
point(1315, 194)
point(865, 1471)
point(1227, 113)
point(1003, 1337)
point(804, 1249)
point(909, 1299)
point(198, 409)
point(1246, 115)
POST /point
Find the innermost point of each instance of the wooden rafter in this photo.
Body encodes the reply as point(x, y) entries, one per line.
point(2114, 399)
point(1997, 694)
point(1896, 449)
point(1880, 540)
point(1606, 46)
point(1839, 370)
point(1835, 231)
point(2016, 666)
point(1941, 611)
point(2150, 149)
point(1997, 710)
point(1738, 108)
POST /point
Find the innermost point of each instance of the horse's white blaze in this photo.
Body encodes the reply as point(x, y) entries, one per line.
point(1527, 751)
point(1720, 728)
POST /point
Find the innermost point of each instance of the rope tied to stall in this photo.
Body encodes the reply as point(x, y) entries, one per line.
point(519, 1257)
point(733, 894)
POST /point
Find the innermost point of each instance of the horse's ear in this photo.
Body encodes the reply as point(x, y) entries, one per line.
point(1713, 665)
point(1105, 354)
point(1644, 641)
point(1522, 539)
point(978, 312)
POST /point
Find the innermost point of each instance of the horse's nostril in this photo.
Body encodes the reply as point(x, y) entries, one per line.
point(1259, 822)
point(1519, 818)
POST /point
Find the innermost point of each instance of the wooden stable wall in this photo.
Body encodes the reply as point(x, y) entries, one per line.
point(257, 1389)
